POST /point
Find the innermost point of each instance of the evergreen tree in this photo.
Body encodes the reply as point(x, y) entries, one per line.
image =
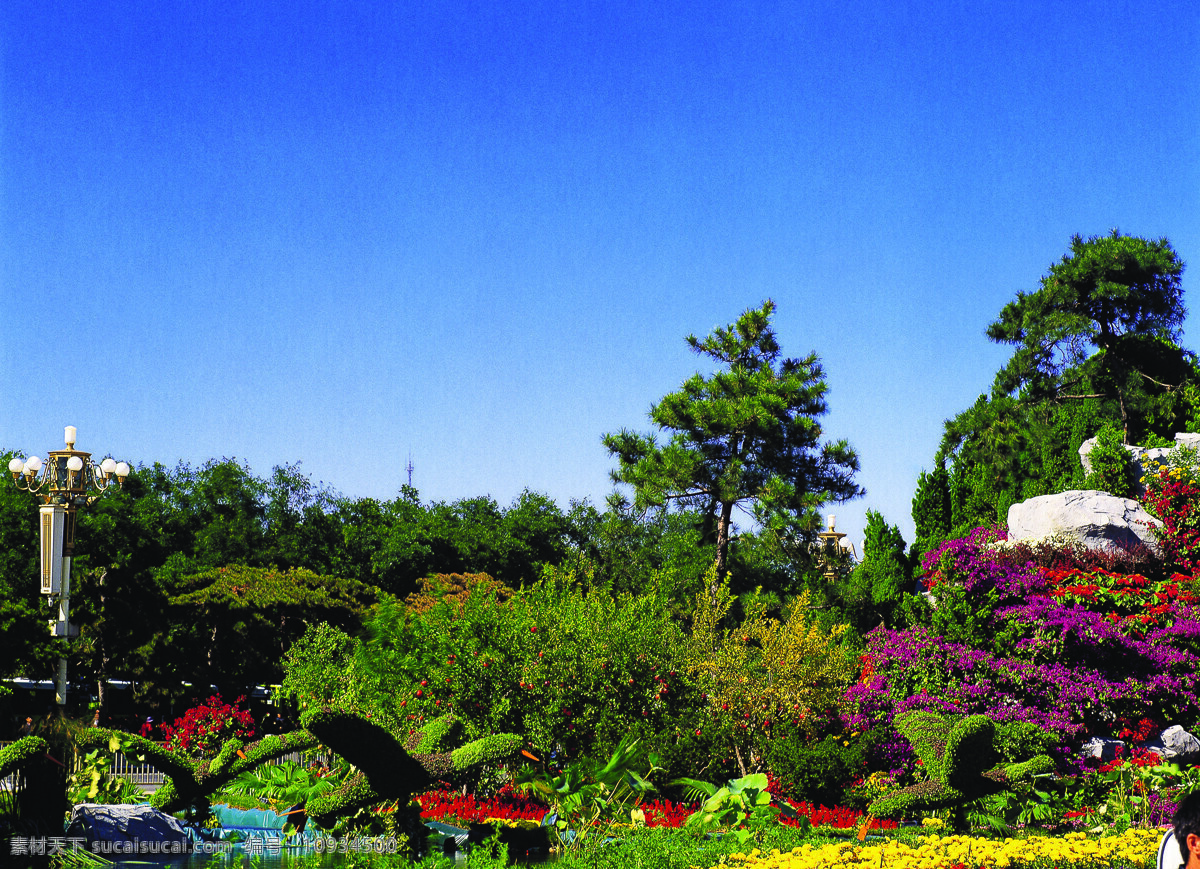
point(1095, 343)
point(745, 436)
point(1116, 295)
point(879, 582)
point(931, 512)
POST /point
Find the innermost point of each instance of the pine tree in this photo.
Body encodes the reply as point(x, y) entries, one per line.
point(745, 436)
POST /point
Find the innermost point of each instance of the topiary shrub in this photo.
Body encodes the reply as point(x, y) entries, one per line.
point(189, 782)
point(20, 753)
point(388, 770)
point(960, 756)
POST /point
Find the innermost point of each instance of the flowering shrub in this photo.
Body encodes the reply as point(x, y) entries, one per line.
point(574, 671)
point(1131, 600)
point(204, 728)
point(1175, 500)
point(507, 805)
point(1067, 647)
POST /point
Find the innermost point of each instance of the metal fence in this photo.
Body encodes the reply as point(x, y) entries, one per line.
point(145, 776)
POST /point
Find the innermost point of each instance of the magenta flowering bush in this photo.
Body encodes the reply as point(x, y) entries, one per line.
point(1074, 648)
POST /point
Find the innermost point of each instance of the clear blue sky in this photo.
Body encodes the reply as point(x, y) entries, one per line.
point(339, 234)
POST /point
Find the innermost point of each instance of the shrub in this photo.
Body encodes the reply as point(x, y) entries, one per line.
point(203, 729)
point(572, 669)
point(315, 666)
point(1173, 495)
point(764, 671)
point(819, 772)
point(1112, 469)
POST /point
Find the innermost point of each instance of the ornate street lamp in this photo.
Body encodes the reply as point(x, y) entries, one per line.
point(68, 480)
point(833, 552)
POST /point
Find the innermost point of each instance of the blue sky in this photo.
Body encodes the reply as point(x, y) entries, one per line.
point(341, 234)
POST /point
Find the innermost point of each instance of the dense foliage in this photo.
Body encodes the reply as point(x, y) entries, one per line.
point(573, 669)
point(1095, 344)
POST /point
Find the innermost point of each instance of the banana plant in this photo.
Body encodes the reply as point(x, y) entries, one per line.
point(95, 783)
point(735, 805)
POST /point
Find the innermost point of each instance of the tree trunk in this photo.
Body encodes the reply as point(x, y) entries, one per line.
point(722, 545)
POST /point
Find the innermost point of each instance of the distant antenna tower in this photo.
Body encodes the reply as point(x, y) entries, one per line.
point(409, 468)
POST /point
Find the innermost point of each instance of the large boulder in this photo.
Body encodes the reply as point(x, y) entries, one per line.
point(1176, 745)
point(1097, 520)
point(1190, 440)
point(120, 826)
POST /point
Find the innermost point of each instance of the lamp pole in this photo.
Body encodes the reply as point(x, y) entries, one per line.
point(831, 548)
point(68, 480)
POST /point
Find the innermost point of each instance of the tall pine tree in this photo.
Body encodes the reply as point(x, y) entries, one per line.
point(747, 436)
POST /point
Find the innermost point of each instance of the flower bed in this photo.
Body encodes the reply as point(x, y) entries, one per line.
point(450, 806)
point(1071, 647)
point(453, 806)
point(1134, 848)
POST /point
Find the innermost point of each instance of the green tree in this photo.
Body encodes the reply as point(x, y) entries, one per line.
point(877, 586)
point(26, 648)
point(232, 626)
point(363, 526)
point(1102, 324)
point(302, 525)
point(628, 552)
point(1095, 343)
point(747, 436)
point(931, 510)
point(471, 535)
point(1112, 469)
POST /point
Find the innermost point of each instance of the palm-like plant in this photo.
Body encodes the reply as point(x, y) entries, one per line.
point(587, 798)
point(731, 805)
point(285, 787)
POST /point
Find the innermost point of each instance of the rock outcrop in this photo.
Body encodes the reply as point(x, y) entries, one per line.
point(1097, 520)
point(1176, 745)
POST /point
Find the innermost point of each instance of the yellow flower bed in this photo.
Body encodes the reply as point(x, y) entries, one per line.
point(514, 823)
point(1132, 848)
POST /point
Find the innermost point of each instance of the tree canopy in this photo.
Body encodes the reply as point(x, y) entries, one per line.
point(748, 436)
point(1106, 316)
point(1095, 343)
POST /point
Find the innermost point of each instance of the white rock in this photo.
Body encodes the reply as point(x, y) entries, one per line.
point(1098, 520)
point(1176, 745)
point(1188, 439)
point(1100, 747)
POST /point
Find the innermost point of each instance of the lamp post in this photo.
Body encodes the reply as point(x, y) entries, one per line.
point(68, 480)
point(831, 548)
